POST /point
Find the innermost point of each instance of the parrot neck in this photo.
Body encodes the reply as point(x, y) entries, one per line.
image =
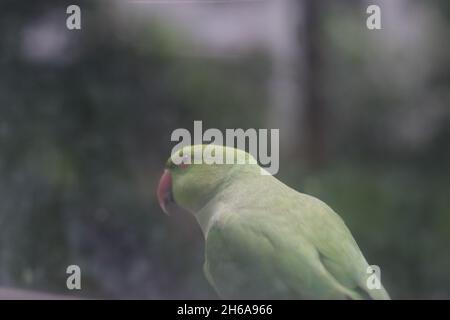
point(213, 207)
point(206, 216)
point(224, 199)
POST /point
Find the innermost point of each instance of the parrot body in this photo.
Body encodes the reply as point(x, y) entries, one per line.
point(265, 240)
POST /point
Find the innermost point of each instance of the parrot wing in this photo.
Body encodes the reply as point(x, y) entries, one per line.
point(337, 249)
point(288, 255)
point(248, 260)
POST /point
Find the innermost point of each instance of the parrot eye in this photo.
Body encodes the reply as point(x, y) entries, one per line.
point(185, 163)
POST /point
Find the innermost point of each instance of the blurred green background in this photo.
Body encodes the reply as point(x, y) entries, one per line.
point(86, 118)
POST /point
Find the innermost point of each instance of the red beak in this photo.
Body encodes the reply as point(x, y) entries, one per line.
point(164, 191)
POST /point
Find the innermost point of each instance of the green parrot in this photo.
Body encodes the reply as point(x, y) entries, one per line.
point(263, 239)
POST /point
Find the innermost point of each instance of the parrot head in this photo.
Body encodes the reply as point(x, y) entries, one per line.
point(191, 184)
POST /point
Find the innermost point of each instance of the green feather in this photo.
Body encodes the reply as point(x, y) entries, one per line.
point(266, 240)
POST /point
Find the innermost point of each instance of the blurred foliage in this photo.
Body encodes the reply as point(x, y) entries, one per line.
point(84, 135)
point(85, 129)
